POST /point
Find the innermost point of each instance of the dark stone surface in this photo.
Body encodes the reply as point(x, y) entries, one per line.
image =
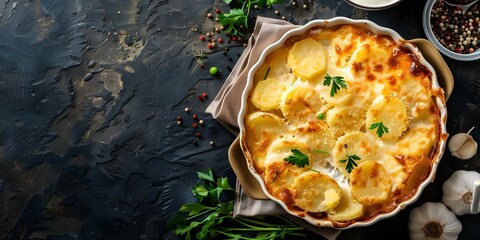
point(89, 96)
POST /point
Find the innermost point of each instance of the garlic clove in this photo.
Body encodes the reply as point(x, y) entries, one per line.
point(468, 150)
point(462, 145)
point(457, 141)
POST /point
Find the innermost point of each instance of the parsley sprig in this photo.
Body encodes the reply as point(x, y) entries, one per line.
point(297, 158)
point(381, 129)
point(337, 83)
point(351, 162)
point(238, 16)
point(210, 217)
point(300, 160)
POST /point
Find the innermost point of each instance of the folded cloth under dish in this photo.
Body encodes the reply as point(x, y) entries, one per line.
point(226, 105)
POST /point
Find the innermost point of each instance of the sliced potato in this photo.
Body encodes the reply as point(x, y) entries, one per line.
point(279, 176)
point(347, 209)
point(413, 94)
point(307, 58)
point(417, 141)
point(392, 113)
point(362, 144)
point(370, 53)
point(345, 119)
point(282, 148)
point(263, 128)
point(267, 94)
point(274, 66)
point(316, 192)
point(370, 183)
point(319, 138)
point(301, 103)
point(342, 96)
point(360, 55)
point(394, 169)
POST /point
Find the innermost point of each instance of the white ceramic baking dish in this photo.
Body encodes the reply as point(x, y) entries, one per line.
point(327, 23)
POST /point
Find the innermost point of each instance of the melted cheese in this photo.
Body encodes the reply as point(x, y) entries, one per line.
point(385, 82)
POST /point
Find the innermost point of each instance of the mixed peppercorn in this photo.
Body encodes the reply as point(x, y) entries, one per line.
point(455, 30)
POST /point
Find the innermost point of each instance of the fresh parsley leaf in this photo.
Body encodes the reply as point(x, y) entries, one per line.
point(224, 208)
point(208, 223)
point(212, 187)
point(337, 83)
point(208, 176)
point(193, 208)
point(297, 158)
point(271, 2)
point(176, 220)
point(211, 216)
point(215, 194)
point(233, 21)
point(350, 160)
point(186, 229)
point(223, 184)
point(239, 16)
point(200, 192)
point(381, 129)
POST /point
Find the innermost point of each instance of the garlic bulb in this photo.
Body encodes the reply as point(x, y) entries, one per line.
point(462, 145)
point(433, 221)
point(458, 191)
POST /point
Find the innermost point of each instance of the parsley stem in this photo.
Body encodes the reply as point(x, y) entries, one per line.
point(200, 213)
point(258, 229)
point(248, 12)
point(253, 221)
point(237, 236)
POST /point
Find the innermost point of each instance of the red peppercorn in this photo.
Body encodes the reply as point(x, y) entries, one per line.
point(210, 46)
point(198, 135)
point(204, 95)
point(179, 118)
point(217, 10)
point(195, 117)
point(200, 97)
point(220, 40)
point(202, 38)
point(194, 125)
point(234, 38)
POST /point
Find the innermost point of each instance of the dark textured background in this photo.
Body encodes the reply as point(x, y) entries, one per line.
point(89, 96)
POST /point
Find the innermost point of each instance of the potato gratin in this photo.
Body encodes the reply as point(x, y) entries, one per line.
point(342, 124)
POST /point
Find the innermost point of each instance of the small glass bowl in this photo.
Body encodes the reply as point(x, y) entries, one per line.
point(445, 51)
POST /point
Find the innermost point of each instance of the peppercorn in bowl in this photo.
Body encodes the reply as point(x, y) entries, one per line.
point(342, 122)
point(455, 33)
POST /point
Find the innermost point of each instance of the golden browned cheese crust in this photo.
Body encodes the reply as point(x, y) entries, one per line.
point(290, 107)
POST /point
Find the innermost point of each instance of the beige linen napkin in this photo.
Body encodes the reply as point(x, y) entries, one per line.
point(226, 105)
